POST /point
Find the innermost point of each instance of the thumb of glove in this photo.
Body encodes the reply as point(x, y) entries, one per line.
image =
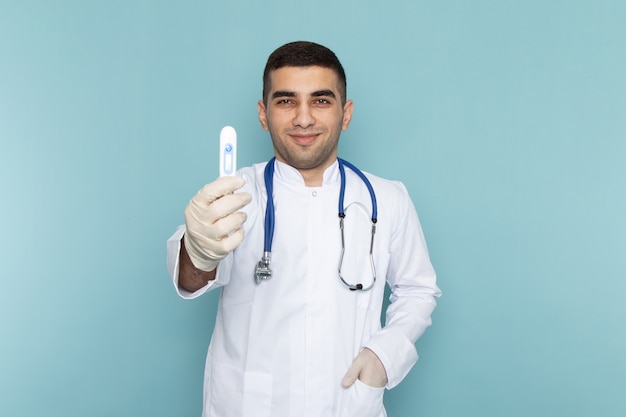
point(352, 374)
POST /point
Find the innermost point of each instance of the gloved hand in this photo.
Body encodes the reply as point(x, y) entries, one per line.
point(368, 369)
point(213, 222)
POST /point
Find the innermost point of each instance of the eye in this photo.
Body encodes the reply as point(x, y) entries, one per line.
point(284, 101)
point(322, 101)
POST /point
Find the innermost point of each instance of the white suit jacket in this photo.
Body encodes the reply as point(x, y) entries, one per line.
point(281, 348)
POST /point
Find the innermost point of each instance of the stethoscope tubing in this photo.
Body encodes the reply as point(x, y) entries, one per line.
point(342, 189)
point(269, 209)
point(269, 187)
point(263, 270)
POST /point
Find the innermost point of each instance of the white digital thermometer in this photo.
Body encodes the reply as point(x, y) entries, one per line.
point(228, 151)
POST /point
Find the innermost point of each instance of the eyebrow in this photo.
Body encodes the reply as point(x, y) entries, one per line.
point(323, 93)
point(279, 93)
point(319, 93)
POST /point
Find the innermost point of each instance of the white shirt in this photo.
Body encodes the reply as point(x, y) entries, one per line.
point(281, 348)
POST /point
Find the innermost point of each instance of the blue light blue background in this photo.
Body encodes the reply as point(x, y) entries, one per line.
point(506, 120)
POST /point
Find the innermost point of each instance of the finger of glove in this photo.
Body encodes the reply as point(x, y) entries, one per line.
point(373, 372)
point(229, 242)
point(207, 214)
point(204, 249)
point(352, 374)
point(199, 259)
point(218, 188)
point(219, 229)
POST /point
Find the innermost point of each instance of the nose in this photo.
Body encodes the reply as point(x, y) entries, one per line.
point(303, 117)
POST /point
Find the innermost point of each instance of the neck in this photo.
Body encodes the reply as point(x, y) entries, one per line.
point(312, 178)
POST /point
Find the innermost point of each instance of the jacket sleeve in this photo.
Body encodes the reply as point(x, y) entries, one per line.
point(173, 259)
point(412, 280)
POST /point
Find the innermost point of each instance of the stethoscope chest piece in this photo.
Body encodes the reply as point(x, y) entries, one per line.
point(263, 271)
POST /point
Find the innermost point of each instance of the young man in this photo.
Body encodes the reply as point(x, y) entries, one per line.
point(305, 339)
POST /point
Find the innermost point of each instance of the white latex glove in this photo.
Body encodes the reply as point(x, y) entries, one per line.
point(213, 222)
point(368, 369)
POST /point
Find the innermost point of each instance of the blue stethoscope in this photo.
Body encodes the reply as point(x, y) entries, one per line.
point(263, 271)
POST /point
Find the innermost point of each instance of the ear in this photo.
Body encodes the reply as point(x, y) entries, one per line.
point(262, 115)
point(348, 108)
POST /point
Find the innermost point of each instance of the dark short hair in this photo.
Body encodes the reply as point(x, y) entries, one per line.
point(303, 54)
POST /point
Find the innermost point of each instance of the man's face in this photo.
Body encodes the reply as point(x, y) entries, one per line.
point(304, 116)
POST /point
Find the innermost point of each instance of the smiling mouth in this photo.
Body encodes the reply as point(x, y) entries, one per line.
point(304, 139)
